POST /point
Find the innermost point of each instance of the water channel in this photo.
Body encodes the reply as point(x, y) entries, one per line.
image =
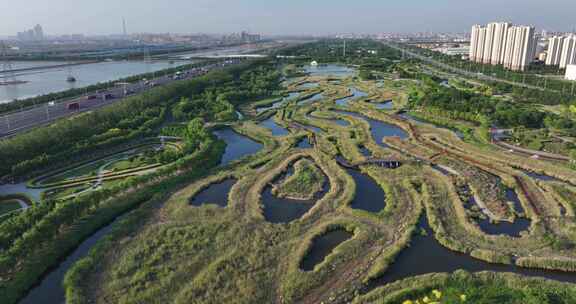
point(425, 255)
point(378, 129)
point(322, 246)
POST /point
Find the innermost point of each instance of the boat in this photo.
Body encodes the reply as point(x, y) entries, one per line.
point(71, 79)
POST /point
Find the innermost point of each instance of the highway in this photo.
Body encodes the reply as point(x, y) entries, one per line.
point(457, 70)
point(17, 122)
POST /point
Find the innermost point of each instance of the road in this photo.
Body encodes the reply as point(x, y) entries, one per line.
point(458, 70)
point(15, 123)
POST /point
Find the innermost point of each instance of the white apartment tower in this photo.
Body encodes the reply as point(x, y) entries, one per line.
point(499, 45)
point(568, 54)
point(474, 41)
point(555, 45)
point(481, 44)
point(502, 43)
point(489, 42)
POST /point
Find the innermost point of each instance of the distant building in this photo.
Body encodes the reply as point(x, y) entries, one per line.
point(34, 34)
point(455, 51)
point(503, 43)
point(570, 72)
point(246, 37)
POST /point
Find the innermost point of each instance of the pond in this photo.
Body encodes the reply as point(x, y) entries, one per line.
point(364, 151)
point(304, 143)
point(216, 193)
point(386, 105)
point(322, 246)
point(276, 129)
point(334, 70)
point(355, 94)
point(237, 146)
point(21, 188)
point(285, 210)
point(369, 195)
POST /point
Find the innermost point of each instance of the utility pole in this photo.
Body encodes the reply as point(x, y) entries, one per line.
point(344, 52)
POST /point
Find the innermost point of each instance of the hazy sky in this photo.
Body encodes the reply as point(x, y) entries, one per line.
point(279, 17)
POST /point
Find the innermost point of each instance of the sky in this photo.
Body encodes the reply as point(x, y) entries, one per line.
point(279, 17)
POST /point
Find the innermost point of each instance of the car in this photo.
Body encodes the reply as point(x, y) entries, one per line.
point(108, 96)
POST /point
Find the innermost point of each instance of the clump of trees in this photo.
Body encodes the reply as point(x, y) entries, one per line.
point(479, 108)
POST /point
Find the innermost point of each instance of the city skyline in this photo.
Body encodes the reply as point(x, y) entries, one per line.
point(366, 16)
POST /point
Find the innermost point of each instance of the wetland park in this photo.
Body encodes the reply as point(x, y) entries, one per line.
point(359, 179)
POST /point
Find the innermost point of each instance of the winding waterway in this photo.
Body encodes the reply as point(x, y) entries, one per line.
point(378, 129)
point(425, 255)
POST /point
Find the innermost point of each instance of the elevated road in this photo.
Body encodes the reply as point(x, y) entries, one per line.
point(18, 122)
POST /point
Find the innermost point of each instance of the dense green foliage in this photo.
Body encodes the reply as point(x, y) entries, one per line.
point(368, 54)
point(471, 106)
point(137, 117)
point(216, 102)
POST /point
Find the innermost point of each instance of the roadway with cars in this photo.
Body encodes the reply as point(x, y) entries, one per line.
point(15, 123)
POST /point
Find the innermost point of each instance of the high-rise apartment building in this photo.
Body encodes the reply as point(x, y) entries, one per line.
point(503, 43)
point(474, 39)
point(568, 54)
point(561, 51)
point(555, 45)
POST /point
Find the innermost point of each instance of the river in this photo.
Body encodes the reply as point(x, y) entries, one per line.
point(54, 80)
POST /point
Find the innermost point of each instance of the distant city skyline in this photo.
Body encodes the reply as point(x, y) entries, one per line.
point(272, 17)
